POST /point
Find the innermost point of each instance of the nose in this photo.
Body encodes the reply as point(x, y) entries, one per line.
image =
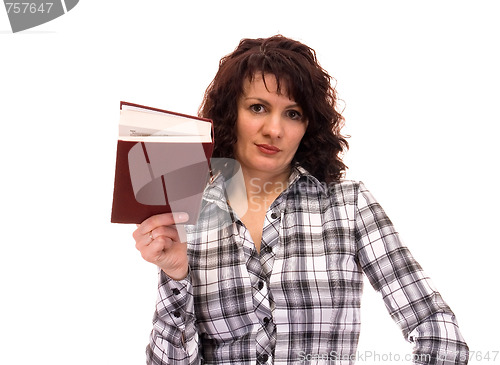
point(273, 126)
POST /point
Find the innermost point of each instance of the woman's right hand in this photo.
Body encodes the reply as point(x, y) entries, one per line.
point(163, 243)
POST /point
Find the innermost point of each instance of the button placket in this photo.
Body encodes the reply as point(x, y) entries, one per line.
point(262, 358)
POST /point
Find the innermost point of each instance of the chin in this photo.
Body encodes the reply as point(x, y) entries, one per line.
point(272, 169)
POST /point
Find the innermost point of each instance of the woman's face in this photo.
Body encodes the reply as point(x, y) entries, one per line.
point(269, 127)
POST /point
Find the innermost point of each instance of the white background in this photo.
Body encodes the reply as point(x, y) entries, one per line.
point(420, 86)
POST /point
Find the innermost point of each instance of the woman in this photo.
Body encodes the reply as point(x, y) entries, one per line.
point(272, 272)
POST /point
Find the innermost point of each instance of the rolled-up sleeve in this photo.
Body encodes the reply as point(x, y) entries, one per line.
point(409, 295)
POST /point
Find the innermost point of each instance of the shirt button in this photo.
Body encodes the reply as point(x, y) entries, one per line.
point(260, 285)
point(177, 314)
point(176, 291)
point(274, 215)
point(263, 358)
point(266, 320)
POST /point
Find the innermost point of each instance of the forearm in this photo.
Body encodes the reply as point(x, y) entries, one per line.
point(409, 295)
point(174, 338)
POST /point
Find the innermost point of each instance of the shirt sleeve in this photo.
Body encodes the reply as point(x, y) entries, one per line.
point(409, 295)
point(174, 339)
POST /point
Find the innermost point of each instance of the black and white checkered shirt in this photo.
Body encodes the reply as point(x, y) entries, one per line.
point(298, 300)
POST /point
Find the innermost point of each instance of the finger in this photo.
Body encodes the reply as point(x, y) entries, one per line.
point(165, 219)
point(155, 251)
point(167, 231)
point(165, 234)
point(145, 240)
point(141, 236)
point(150, 224)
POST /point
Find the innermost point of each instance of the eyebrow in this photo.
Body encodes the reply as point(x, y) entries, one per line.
point(265, 102)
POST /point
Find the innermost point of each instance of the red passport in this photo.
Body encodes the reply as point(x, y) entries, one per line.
point(162, 163)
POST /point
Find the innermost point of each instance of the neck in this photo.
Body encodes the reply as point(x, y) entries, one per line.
point(265, 185)
point(254, 191)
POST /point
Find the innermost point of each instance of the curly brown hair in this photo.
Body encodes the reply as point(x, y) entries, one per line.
point(295, 67)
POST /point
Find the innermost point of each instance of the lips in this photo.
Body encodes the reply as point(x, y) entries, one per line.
point(268, 149)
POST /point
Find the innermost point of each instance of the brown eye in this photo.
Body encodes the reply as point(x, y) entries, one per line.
point(294, 114)
point(257, 108)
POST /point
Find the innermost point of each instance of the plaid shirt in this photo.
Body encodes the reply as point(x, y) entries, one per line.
point(298, 300)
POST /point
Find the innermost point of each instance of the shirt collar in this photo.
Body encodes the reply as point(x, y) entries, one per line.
point(300, 174)
point(217, 190)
